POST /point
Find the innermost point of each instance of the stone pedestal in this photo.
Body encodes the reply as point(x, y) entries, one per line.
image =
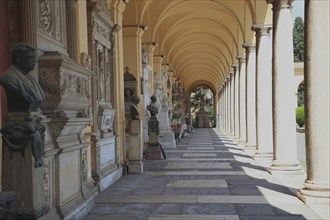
point(166, 136)
point(21, 175)
point(135, 157)
point(153, 151)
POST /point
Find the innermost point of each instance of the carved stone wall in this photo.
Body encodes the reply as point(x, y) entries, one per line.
point(101, 30)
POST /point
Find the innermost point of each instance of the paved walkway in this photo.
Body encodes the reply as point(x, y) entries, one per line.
point(206, 177)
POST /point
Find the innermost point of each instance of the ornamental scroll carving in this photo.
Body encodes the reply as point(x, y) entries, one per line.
point(50, 19)
point(46, 20)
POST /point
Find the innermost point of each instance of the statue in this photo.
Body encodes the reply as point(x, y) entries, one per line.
point(133, 110)
point(152, 107)
point(23, 91)
point(24, 94)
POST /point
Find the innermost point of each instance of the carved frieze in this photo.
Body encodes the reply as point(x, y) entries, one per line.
point(66, 84)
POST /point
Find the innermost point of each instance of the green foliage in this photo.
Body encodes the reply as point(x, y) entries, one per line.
point(298, 40)
point(195, 100)
point(300, 94)
point(300, 116)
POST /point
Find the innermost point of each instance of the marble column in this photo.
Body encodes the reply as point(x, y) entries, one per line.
point(236, 103)
point(317, 184)
point(242, 100)
point(284, 125)
point(221, 108)
point(264, 91)
point(232, 105)
point(251, 138)
point(228, 105)
point(71, 28)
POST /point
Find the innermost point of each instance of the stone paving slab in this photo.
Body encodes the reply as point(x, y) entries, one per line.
point(197, 184)
point(228, 185)
point(199, 155)
point(200, 165)
point(194, 217)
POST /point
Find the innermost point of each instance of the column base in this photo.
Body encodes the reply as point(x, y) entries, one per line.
point(262, 155)
point(283, 168)
point(249, 149)
point(314, 193)
point(236, 140)
point(241, 144)
point(135, 166)
point(314, 197)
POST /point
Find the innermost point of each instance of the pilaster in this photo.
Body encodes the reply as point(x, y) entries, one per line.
point(71, 28)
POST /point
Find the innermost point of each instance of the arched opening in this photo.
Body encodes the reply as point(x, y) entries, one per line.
point(202, 107)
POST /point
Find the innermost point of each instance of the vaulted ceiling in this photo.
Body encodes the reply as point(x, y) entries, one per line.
point(200, 38)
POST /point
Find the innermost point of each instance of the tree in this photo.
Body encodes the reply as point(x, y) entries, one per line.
point(300, 94)
point(195, 100)
point(298, 39)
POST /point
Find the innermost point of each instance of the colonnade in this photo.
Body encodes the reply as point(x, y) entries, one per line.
point(258, 110)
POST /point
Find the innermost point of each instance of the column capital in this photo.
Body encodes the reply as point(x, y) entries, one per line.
point(249, 47)
point(159, 58)
point(166, 66)
point(261, 29)
point(134, 30)
point(235, 67)
point(241, 59)
point(150, 46)
point(280, 4)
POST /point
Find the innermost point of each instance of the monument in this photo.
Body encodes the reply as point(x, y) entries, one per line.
point(24, 135)
point(202, 116)
point(135, 139)
point(153, 151)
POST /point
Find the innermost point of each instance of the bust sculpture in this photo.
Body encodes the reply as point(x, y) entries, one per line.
point(23, 91)
point(24, 94)
point(152, 107)
point(134, 112)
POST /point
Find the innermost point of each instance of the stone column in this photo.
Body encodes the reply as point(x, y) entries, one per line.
point(317, 184)
point(251, 139)
point(221, 109)
point(236, 103)
point(284, 125)
point(264, 92)
point(242, 101)
point(118, 7)
point(228, 105)
point(232, 105)
point(71, 28)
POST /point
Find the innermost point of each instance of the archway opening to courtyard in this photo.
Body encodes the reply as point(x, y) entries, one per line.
point(202, 107)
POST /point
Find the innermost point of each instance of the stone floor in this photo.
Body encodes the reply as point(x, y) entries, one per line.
point(206, 177)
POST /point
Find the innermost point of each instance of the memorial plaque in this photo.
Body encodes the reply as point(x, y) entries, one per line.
point(69, 174)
